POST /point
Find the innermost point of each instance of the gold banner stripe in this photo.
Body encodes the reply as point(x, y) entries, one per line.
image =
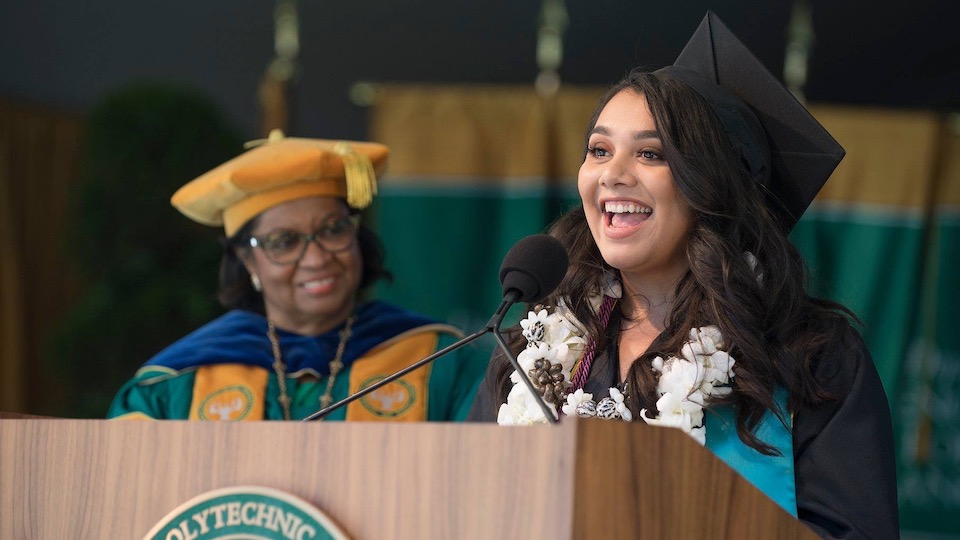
point(948, 188)
point(891, 155)
point(482, 131)
point(424, 180)
point(462, 135)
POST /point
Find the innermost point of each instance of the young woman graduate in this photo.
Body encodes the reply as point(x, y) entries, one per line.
point(685, 302)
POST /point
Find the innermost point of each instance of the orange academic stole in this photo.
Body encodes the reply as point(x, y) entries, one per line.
point(229, 392)
point(403, 400)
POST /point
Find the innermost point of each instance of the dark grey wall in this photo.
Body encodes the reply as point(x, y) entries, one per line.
point(67, 54)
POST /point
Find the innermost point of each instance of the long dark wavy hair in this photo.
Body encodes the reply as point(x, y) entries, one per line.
point(236, 291)
point(773, 328)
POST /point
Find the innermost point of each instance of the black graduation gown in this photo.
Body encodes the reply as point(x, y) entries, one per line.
point(842, 449)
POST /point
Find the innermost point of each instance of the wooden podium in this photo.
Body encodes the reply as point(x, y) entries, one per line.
point(581, 479)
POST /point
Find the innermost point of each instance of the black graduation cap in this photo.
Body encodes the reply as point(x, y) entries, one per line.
point(781, 143)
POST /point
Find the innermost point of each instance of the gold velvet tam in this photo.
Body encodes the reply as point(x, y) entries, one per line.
point(281, 169)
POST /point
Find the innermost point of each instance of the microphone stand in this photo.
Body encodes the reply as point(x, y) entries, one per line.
point(492, 326)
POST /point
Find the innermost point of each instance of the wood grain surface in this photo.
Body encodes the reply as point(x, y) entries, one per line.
point(116, 479)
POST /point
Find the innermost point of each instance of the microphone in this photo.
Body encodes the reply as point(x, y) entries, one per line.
point(531, 270)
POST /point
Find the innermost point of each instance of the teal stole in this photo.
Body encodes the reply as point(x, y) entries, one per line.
point(773, 475)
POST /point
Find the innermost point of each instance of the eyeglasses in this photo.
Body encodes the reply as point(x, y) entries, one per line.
point(288, 247)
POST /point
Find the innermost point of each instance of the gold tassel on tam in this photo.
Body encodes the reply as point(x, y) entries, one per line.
point(360, 176)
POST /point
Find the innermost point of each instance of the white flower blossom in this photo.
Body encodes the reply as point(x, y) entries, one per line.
point(574, 399)
point(719, 367)
point(536, 352)
point(657, 364)
point(520, 409)
point(621, 407)
point(563, 312)
point(534, 325)
point(709, 337)
point(687, 381)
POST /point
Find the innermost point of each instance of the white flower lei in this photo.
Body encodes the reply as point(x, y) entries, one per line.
point(702, 369)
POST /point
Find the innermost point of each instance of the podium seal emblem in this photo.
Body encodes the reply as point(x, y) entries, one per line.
point(246, 512)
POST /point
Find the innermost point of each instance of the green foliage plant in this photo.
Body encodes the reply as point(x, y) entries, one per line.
point(151, 273)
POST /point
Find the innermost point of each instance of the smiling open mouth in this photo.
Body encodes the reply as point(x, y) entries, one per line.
point(621, 215)
point(318, 285)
